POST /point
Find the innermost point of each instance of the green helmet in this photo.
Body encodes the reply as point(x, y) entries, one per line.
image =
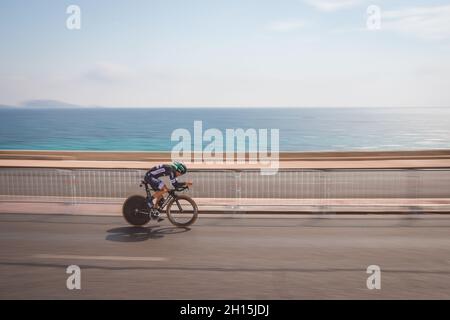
point(178, 166)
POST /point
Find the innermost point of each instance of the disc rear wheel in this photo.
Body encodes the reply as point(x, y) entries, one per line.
point(135, 211)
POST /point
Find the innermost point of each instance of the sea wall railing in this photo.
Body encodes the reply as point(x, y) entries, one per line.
point(319, 189)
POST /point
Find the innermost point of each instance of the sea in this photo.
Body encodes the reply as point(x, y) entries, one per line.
point(151, 129)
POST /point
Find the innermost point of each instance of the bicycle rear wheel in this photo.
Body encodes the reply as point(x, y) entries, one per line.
point(134, 211)
point(182, 211)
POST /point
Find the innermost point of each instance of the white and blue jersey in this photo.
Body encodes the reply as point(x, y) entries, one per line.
point(153, 176)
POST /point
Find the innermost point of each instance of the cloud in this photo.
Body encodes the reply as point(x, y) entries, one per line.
point(332, 5)
point(107, 72)
point(285, 26)
point(432, 22)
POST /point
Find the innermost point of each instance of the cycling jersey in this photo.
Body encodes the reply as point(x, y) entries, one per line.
point(154, 174)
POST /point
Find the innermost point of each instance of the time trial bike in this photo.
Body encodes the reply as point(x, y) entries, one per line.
point(181, 210)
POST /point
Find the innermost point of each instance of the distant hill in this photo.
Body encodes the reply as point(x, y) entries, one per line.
point(48, 104)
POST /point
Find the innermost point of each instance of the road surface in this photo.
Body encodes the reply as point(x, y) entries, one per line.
point(299, 257)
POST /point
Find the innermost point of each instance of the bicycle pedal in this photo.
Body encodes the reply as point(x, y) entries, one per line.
point(154, 214)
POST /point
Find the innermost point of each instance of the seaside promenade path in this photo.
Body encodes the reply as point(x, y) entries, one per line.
point(306, 160)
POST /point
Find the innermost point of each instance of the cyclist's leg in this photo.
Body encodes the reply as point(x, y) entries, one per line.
point(155, 185)
point(161, 189)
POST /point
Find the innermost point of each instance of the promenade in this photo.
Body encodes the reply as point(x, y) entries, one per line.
point(306, 160)
point(318, 182)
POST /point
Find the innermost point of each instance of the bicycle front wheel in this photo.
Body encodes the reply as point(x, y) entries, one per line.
point(182, 211)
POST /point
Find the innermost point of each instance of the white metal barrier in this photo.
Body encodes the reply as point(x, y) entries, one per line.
point(319, 188)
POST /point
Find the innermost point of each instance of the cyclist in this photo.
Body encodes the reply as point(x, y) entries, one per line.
point(152, 177)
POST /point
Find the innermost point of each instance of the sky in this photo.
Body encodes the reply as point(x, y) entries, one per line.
point(233, 53)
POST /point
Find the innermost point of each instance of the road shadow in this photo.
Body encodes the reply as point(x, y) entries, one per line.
point(135, 234)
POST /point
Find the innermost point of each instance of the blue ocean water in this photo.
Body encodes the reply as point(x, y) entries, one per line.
point(301, 129)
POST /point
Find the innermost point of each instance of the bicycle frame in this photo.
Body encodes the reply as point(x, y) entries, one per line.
point(148, 191)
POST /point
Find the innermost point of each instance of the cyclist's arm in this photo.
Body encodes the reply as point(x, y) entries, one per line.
point(173, 180)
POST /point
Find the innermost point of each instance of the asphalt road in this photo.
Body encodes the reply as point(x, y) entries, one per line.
point(316, 257)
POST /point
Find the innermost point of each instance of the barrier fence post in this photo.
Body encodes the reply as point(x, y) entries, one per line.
point(413, 190)
point(323, 209)
point(237, 188)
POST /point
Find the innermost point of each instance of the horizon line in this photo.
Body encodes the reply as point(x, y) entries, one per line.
point(203, 107)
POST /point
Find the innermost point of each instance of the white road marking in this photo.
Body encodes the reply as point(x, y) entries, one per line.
point(110, 258)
